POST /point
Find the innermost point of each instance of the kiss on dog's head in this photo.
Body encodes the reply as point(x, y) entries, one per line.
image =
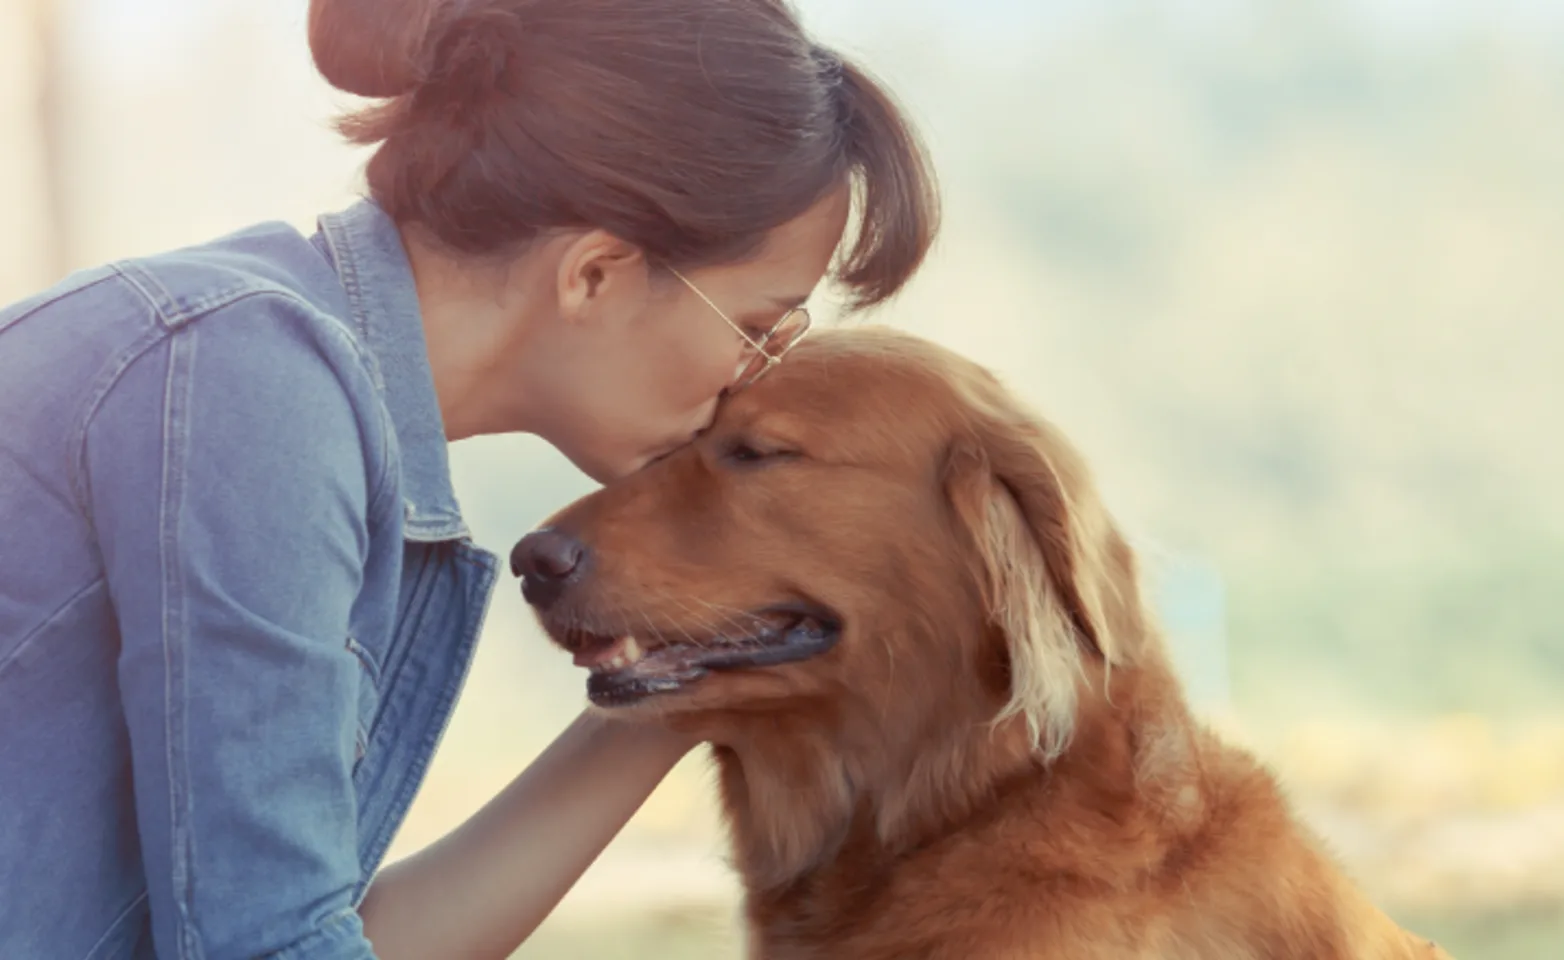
point(895, 598)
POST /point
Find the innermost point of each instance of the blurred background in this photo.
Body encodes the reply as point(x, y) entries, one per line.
point(1288, 271)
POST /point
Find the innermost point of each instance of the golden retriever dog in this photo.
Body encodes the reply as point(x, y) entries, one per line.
point(948, 728)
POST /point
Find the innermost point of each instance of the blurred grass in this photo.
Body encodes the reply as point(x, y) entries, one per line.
point(1323, 635)
point(1521, 933)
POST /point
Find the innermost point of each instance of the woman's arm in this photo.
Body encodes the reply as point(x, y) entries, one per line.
point(230, 474)
point(482, 889)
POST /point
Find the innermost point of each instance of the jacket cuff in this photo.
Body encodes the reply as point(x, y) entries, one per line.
point(340, 937)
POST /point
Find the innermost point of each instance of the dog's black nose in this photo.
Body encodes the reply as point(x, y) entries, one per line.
point(546, 561)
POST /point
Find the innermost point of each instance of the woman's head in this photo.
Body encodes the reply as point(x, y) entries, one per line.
point(630, 139)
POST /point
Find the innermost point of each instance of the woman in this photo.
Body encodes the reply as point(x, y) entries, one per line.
point(236, 596)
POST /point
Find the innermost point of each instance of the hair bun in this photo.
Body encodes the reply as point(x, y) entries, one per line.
point(471, 52)
point(371, 48)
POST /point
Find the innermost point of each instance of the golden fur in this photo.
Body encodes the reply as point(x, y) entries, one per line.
point(995, 760)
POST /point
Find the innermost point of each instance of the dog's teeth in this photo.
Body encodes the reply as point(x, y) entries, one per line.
point(627, 654)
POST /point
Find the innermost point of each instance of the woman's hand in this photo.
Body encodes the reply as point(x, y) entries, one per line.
point(482, 889)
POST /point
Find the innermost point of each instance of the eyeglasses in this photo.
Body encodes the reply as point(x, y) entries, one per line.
point(763, 353)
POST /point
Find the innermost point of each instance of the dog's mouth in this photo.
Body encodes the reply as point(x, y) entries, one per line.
point(628, 668)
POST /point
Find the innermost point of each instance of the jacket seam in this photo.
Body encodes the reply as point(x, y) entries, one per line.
point(65, 288)
point(174, 641)
point(169, 324)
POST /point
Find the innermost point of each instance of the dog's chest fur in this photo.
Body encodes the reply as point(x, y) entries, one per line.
point(1116, 879)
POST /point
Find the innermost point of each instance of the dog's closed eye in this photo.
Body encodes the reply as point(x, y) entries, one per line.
point(743, 453)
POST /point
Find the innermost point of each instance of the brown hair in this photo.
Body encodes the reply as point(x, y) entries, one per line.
point(690, 128)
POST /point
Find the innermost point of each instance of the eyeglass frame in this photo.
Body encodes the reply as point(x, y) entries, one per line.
point(758, 346)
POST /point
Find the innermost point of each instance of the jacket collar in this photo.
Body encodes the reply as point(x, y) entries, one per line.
point(365, 247)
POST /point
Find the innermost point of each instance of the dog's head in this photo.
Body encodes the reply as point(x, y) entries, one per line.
point(876, 530)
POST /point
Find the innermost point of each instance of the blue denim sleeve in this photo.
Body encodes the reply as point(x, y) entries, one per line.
point(231, 470)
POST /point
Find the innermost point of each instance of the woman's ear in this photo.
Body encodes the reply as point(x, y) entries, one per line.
point(601, 278)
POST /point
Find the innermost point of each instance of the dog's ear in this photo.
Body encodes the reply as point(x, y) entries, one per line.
point(1058, 579)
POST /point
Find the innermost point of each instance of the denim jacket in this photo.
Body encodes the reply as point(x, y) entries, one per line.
point(237, 598)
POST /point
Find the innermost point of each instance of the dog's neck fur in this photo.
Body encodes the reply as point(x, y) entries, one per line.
point(799, 791)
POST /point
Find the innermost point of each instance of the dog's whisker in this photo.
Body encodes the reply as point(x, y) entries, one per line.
point(702, 621)
point(688, 637)
point(706, 622)
point(741, 619)
point(665, 625)
point(650, 626)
